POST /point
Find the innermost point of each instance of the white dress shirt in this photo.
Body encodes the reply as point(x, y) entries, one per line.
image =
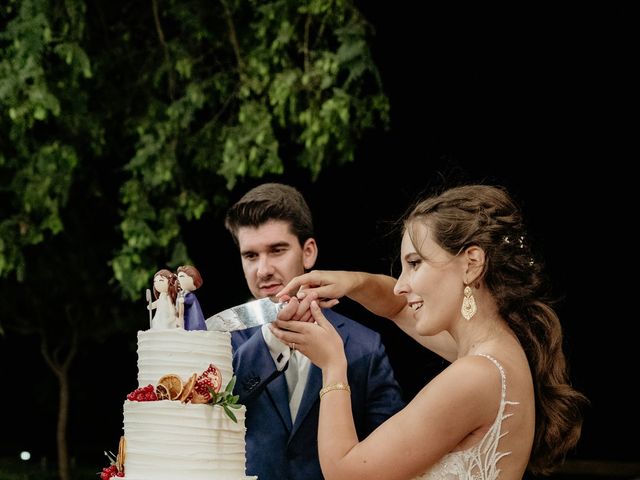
point(297, 372)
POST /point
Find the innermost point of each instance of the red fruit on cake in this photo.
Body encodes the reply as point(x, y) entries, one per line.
point(211, 378)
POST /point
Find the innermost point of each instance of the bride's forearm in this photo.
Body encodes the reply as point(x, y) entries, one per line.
point(375, 293)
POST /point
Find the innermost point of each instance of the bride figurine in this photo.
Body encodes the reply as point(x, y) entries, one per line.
point(165, 290)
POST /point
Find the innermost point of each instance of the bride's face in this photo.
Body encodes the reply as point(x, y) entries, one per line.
point(161, 284)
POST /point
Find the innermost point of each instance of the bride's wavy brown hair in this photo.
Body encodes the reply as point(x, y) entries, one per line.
point(487, 217)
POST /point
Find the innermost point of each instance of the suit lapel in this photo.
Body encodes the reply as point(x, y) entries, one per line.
point(309, 397)
point(254, 366)
point(279, 394)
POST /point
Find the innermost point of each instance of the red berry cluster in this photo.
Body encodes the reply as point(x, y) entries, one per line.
point(143, 394)
point(110, 471)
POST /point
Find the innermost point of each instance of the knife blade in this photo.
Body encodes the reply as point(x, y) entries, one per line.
point(246, 315)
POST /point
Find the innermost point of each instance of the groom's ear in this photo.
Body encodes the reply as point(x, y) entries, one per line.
point(309, 253)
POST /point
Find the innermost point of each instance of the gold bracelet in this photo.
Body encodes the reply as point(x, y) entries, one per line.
point(335, 386)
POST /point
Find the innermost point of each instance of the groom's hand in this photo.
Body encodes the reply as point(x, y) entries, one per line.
point(296, 309)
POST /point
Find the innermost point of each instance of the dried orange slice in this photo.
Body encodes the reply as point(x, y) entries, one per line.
point(162, 393)
point(173, 385)
point(187, 389)
point(121, 454)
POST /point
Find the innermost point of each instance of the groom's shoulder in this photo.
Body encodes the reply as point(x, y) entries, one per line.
point(352, 326)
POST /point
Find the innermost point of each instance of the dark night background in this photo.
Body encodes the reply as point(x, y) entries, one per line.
point(524, 108)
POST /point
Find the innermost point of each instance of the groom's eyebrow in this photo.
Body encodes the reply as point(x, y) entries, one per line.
point(271, 246)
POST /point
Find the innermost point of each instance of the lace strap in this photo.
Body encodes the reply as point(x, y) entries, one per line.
point(503, 378)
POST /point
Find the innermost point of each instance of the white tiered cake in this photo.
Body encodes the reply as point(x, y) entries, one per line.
point(168, 439)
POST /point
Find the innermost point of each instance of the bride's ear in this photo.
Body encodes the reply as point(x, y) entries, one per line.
point(475, 258)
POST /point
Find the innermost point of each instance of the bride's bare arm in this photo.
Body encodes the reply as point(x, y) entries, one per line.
point(438, 418)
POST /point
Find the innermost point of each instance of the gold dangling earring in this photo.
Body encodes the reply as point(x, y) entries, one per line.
point(469, 308)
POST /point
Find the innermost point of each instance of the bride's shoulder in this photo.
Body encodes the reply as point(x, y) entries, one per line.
point(483, 366)
point(471, 376)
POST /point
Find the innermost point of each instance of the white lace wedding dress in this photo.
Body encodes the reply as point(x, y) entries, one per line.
point(479, 462)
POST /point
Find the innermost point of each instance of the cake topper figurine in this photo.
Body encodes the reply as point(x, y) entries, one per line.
point(190, 314)
point(165, 290)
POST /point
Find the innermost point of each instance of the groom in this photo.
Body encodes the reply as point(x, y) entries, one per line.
point(273, 228)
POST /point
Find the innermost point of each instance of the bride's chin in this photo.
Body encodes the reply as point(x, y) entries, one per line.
point(422, 327)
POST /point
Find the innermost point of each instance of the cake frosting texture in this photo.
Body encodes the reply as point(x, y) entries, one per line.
point(183, 352)
point(170, 440)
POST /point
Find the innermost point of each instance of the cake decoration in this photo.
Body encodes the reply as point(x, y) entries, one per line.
point(165, 291)
point(175, 304)
point(200, 389)
point(181, 422)
point(190, 314)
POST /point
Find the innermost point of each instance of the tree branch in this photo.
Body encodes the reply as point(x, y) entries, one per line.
point(167, 59)
point(305, 45)
point(232, 36)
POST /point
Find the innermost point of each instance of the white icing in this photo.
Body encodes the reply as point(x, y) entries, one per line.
point(182, 352)
point(170, 440)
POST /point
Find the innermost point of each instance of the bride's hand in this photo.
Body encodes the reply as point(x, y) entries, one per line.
point(318, 341)
point(328, 285)
point(295, 309)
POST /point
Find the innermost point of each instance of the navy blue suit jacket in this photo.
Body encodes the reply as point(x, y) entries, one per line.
point(280, 450)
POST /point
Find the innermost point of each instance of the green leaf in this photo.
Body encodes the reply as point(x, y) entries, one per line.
point(225, 398)
point(230, 386)
point(230, 414)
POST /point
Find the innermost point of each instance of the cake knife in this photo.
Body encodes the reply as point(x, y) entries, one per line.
point(246, 315)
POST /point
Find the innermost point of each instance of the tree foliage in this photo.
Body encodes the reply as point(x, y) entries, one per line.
point(121, 122)
point(173, 101)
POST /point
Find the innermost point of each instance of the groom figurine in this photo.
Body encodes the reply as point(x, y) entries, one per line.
point(190, 314)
